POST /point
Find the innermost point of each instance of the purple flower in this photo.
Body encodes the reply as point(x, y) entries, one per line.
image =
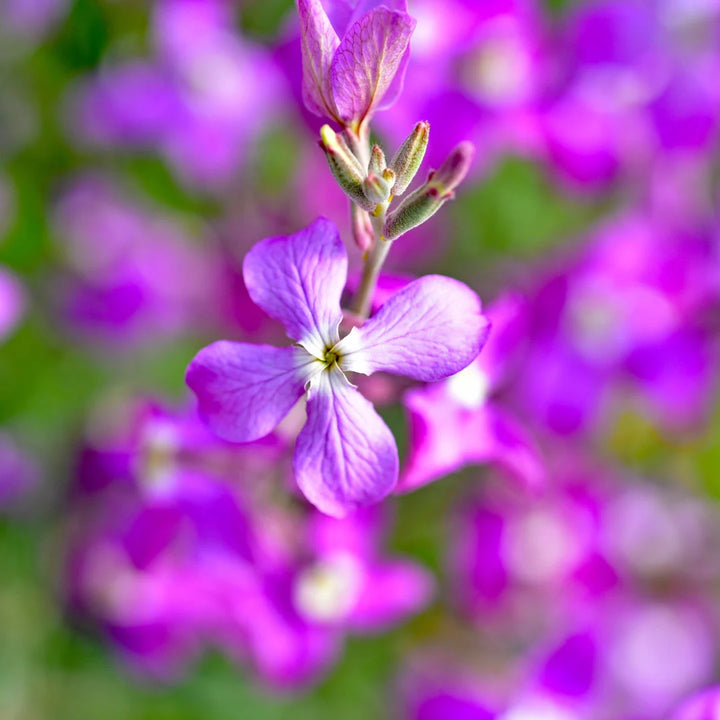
point(345, 456)
point(351, 582)
point(459, 421)
point(702, 706)
point(353, 59)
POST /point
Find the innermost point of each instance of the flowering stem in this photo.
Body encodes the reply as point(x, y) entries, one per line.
point(375, 258)
point(374, 261)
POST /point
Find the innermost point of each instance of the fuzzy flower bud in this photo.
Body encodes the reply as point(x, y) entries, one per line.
point(409, 157)
point(345, 167)
point(453, 171)
point(377, 187)
point(377, 163)
point(422, 204)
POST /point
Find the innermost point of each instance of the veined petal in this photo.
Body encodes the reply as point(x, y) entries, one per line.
point(429, 330)
point(367, 60)
point(319, 42)
point(244, 390)
point(345, 456)
point(298, 279)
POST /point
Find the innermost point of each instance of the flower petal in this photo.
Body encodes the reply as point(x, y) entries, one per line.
point(244, 390)
point(298, 279)
point(319, 42)
point(429, 330)
point(345, 456)
point(392, 591)
point(367, 60)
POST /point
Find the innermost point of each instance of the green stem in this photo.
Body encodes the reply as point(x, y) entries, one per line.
point(362, 301)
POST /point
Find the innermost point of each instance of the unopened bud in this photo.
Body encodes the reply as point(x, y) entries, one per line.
point(345, 167)
point(377, 161)
point(422, 204)
point(453, 171)
point(362, 229)
point(414, 210)
point(377, 187)
point(409, 157)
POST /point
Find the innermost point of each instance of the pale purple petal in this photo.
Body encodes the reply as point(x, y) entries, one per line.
point(367, 60)
point(298, 279)
point(429, 330)
point(244, 390)
point(345, 456)
point(319, 43)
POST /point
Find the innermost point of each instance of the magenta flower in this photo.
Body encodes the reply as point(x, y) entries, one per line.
point(345, 456)
point(704, 705)
point(353, 60)
point(460, 422)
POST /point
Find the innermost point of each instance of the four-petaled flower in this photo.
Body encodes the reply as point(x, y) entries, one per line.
point(346, 78)
point(345, 456)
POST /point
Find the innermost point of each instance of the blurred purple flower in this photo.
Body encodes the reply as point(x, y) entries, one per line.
point(631, 307)
point(345, 456)
point(354, 57)
point(459, 422)
point(201, 102)
point(145, 280)
point(170, 557)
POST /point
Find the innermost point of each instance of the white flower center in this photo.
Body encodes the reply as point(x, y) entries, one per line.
point(470, 387)
point(327, 591)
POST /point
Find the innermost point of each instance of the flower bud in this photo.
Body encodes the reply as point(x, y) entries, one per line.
point(414, 210)
point(453, 171)
point(409, 157)
point(377, 187)
point(377, 161)
point(362, 229)
point(345, 167)
point(422, 204)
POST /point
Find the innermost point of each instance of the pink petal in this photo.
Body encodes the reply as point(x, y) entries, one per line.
point(392, 592)
point(429, 330)
point(319, 43)
point(298, 279)
point(446, 436)
point(243, 390)
point(368, 58)
point(345, 456)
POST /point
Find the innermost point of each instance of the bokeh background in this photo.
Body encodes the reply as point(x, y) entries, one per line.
point(145, 146)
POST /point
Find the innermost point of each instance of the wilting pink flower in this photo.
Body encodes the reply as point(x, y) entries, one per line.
point(345, 456)
point(354, 59)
